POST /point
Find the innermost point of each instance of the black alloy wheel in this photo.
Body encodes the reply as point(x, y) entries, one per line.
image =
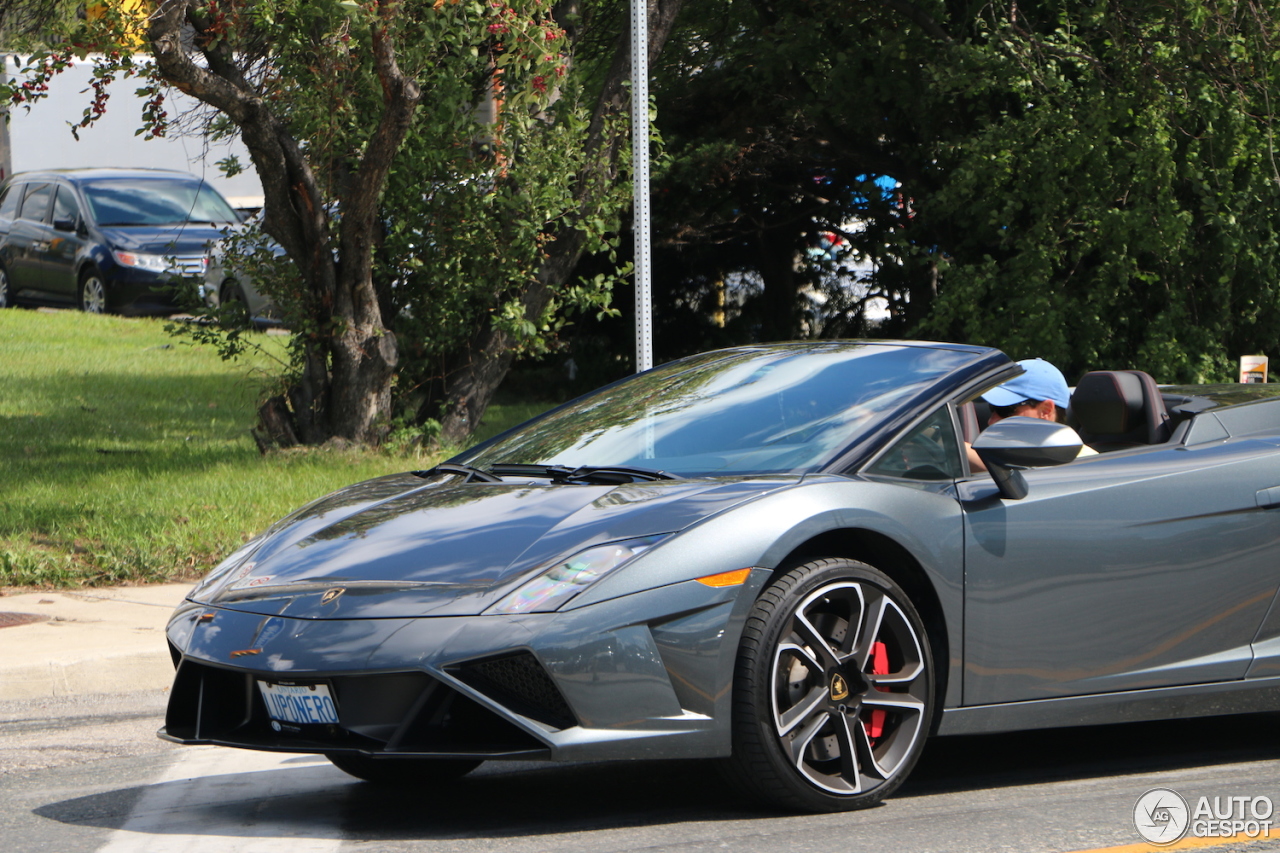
point(403, 772)
point(833, 690)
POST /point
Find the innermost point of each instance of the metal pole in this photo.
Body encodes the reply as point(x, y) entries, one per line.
point(640, 179)
point(6, 152)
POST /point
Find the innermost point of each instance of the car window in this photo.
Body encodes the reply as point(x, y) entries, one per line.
point(928, 452)
point(9, 201)
point(36, 203)
point(65, 205)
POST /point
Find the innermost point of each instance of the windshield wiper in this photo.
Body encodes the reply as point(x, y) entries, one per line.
point(601, 475)
point(617, 473)
point(466, 472)
point(609, 475)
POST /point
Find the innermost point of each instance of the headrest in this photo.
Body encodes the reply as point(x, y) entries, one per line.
point(1119, 406)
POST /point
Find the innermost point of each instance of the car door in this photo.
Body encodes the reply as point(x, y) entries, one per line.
point(27, 239)
point(1123, 571)
point(928, 459)
point(62, 244)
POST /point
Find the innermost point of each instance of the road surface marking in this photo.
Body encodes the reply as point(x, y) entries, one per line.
point(1184, 844)
point(218, 800)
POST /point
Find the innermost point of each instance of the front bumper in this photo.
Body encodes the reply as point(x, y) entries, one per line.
point(139, 292)
point(643, 676)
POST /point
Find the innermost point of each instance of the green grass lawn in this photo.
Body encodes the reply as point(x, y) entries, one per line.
point(125, 455)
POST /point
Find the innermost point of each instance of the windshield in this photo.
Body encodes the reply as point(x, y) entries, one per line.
point(156, 201)
point(770, 409)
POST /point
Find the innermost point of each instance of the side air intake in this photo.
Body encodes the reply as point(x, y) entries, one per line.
point(519, 682)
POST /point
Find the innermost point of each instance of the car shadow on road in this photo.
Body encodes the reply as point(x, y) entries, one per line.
point(505, 800)
point(1052, 755)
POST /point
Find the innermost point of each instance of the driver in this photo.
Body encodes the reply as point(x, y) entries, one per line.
point(1040, 392)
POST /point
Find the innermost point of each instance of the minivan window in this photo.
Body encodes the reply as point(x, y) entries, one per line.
point(155, 201)
point(65, 206)
point(9, 201)
point(36, 204)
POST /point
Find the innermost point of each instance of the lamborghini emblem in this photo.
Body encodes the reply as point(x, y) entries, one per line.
point(839, 688)
point(331, 595)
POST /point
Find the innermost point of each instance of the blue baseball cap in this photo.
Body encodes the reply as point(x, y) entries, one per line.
point(1041, 381)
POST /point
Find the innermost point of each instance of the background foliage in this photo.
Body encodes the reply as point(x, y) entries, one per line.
point(1094, 183)
point(1089, 182)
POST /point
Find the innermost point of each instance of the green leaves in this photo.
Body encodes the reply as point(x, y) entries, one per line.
point(1123, 201)
point(1093, 183)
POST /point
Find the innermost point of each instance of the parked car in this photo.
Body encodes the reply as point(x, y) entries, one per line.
point(225, 283)
point(774, 555)
point(118, 240)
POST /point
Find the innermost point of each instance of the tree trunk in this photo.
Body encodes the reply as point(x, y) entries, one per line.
point(344, 388)
point(470, 388)
point(923, 292)
point(471, 385)
point(781, 284)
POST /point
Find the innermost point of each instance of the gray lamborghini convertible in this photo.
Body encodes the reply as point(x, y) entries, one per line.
point(774, 555)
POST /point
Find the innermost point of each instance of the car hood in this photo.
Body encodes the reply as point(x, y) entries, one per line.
point(403, 546)
point(191, 238)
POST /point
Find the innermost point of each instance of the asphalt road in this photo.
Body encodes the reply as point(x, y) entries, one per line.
point(89, 775)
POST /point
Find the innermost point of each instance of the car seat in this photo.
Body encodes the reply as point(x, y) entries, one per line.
point(1116, 409)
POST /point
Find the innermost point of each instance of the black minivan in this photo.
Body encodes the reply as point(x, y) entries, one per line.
point(119, 240)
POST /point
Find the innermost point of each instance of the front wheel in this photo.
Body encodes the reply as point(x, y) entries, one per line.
point(6, 298)
point(833, 690)
point(403, 772)
point(233, 292)
point(234, 303)
point(93, 293)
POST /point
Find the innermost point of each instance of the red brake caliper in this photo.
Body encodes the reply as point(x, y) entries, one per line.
point(874, 722)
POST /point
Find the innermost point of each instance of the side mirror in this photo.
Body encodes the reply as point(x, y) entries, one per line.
point(1015, 443)
point(64, 224)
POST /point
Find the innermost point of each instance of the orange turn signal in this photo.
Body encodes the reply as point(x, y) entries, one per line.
point(737, 577)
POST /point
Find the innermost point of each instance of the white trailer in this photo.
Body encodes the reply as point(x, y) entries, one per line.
point(40, 137)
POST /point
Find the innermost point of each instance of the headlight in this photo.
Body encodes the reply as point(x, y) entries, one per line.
point(230, 564)
point(137, 260)
point(566, 579)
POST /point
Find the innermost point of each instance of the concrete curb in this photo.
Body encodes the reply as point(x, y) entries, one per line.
point(88, 641)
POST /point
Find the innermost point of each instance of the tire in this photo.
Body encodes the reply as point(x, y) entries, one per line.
point(6, 297)
point(826, 719)
point(93, 293)
point(232, 299)
point(403, 772)
point(233, 292)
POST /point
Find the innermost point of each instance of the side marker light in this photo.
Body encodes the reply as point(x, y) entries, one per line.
point(737, 577)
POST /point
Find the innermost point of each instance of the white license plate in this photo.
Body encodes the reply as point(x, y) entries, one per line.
point(299, 703)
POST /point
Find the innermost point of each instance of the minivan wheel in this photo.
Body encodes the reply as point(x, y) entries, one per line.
point(234, 302)
point(93, 293)
point(233, 292)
